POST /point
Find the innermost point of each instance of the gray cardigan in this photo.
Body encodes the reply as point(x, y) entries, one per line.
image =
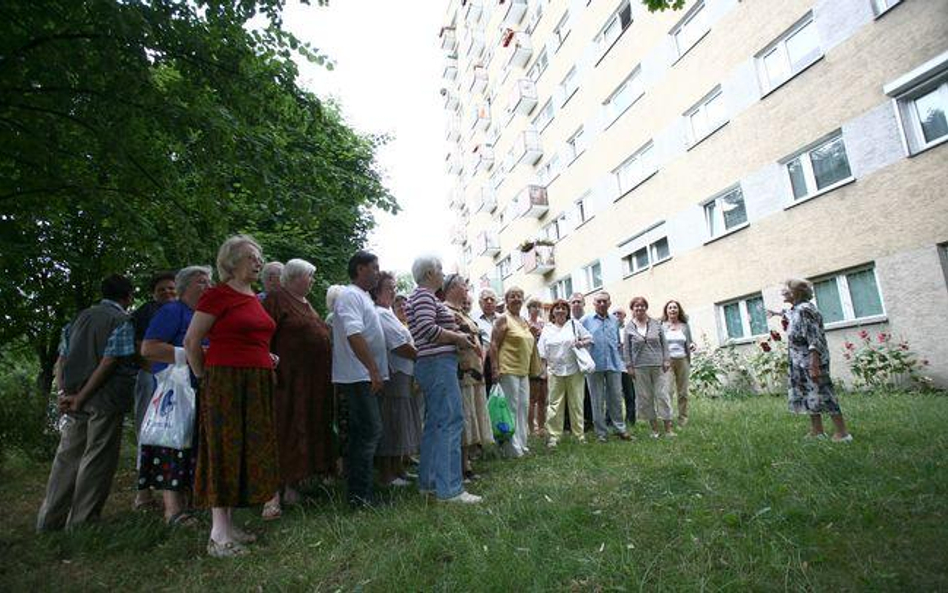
point(649, 350)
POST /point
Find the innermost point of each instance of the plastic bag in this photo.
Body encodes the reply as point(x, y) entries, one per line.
point(169, 419)
point(584, 358)
point(501, 420)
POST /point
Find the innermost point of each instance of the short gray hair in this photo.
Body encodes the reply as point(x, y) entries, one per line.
point(229, 254)
point(271, 265)
point(799, 287)
point(294, 269)
point(331, 293)
point(487, 292)
point(185, 276)
point(423, 265)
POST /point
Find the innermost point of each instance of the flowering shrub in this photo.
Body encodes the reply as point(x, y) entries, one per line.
point(883, 362)
point(720, 371)
point(770, 364)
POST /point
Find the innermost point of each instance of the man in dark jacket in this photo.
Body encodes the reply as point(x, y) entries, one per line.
point(96, 381)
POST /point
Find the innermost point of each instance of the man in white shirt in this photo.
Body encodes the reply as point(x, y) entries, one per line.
point(359, 370)
point(485, 323)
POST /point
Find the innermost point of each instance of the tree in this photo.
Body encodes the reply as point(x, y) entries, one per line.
point(137, 135)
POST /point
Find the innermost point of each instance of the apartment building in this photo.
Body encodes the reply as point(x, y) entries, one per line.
point(707, 154)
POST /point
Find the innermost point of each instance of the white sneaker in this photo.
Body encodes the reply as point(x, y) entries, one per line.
point(400, 482)
point(464, 497)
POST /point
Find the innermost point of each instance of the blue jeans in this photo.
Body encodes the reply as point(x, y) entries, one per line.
point(440, 467)
point(365, 431)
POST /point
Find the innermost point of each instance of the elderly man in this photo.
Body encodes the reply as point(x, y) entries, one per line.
point(97, 376)
point(628, 388)
point(577, 305)
point(359, 370)
point(270, 277)
point(485, 323)
point(605, 384)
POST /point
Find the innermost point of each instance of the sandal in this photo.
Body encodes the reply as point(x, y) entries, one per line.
point(271, 511)
point(226, 550)
point(183, 519)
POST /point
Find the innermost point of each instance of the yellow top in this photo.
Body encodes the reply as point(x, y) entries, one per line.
point(517, 348)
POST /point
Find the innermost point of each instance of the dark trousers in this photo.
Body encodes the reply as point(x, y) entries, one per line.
point(628, 393)
point(365, 431)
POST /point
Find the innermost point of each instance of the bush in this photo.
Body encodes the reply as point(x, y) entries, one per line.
point(27, 417)
point(770, 365)
point(721, 372)
point(883, 363)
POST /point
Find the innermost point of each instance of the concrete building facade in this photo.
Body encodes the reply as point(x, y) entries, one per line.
point(707, 154)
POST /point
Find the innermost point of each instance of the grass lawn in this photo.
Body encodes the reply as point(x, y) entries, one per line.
point(739, 502)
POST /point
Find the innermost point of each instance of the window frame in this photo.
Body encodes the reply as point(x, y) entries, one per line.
point(685, 24)
point(809, 177)
point(581, 205)
point(559, 223)
point(701, 107)
point(768, 85)
point(880, 7)
point(614, 113)
point(599, 39)
point(540, 113)
point(572, 75)
point(558, 33)
point(542, 58)
point(588, 276)
point(576, 145)
point(562, 283)
point(646, 173)
point(911, 122)
point(504, 263)
point(846, 298)
point(716, 201)
point(746, 328)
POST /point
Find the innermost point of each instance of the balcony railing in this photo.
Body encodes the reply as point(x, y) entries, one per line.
point(523, 97)
point(487, 201)
point(473, 43)
point(449, 39)
point(539, 259)
point(527, 148)
point(478, 80)
point(532, 201)
point(518, 46)
point(515, 11)
point(450, 73)
point(487, 243)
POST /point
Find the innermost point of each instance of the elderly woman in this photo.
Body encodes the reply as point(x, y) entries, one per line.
point(237, 452)
point(302, 400)
point(438, 341)
point(163, 468)
point(646, 357)
point(401, 424)
point(680, 347)
point(557, 341)
point(512, 346)
point(339, 408)
point(477, 426)
point(536, 412)
point(811, 389)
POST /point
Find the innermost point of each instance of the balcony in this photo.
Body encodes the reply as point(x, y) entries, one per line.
point(538, 258)
point(479, 118)
point(487, 243)
point(450, 73)
point(473, 43)
point(487, 200)
point(527, 148)
point(531, 201)
point(515, 11)
point(523, 97)
point(483, 158)
point(453, 133)
point(449, 39)
point(478, 80)
point(518, 46)
point(472, 10)
point(450, 99)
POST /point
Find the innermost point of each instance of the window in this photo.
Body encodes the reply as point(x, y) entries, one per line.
point(635, 169)
point(593, 275)
point(923, 110)
point(615, 25)
point(556, 230)
point(725, 213)
point(562, 289)
point(549, 170)
point(691, 29)
point(882, 6)
point(819, 168)
point(576, 145)
point(706, 117)
point(583, 209)
point(539, 66)
point(743, 318)
point(645, 249)
point(504, 267)
point(790, 54)
point(561, 32)
point(848, 296)
point(544, 117)
point(570, 84)
point(496, 178)
point(468, 255)
point(625, 95)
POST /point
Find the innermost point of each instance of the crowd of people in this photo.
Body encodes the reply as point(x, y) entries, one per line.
point(283, 396)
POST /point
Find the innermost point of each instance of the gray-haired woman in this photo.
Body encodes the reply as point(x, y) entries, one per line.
point(811, 389)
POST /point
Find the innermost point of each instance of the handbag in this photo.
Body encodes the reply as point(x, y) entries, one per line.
point(583, 357)
point(501, 420)
point(169, 419)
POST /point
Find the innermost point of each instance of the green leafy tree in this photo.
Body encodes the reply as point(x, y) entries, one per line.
point(137, 135)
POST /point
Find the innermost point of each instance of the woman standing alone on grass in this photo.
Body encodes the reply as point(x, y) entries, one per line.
point(680, 347)
point(811, 389)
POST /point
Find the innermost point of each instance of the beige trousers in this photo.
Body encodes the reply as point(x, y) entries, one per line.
point(651, 394)
point(562, 390)
point(678, 384)
point(81, 475)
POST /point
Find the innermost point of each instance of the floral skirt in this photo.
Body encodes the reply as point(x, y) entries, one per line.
point(164, 468)
point(237, 463)
point(811, 397)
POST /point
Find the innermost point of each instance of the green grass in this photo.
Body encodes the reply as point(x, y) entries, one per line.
point(738, 502)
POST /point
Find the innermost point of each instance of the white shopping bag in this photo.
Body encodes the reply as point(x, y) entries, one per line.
point(169, 419)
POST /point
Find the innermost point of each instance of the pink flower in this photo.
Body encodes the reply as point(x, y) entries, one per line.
point(765, 346)
point(775, 335)
point(904, 345)
point(846, 355)
point(863, 334)
point(849, 346)
point(883, 338)
point(785, 323)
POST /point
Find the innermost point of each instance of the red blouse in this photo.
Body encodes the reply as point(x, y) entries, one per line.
point(240, 336)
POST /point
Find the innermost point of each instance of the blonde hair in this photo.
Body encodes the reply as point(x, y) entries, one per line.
point(801, 288)
point(230, 253)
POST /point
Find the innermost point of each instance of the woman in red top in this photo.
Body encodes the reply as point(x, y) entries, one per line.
point(237, 456)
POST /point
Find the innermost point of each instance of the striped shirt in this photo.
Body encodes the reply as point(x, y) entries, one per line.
point(427, 318)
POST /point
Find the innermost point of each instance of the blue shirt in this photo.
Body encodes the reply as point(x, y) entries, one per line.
point(169, 325)
point(606, 340)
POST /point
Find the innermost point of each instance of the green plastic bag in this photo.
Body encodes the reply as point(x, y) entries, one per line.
point(501, 420)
